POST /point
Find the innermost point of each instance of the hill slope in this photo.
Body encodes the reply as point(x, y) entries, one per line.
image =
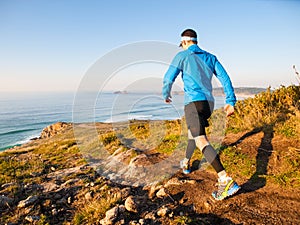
point(48, 181)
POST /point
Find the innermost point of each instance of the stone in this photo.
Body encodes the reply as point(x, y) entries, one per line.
point(110, 216)
point(122, 209)
point(125, 192)
point(161, 193)
point(173, 181)
point(207, 205)
point(140, 160)
point(163, 211)
point(31, 219)
point(150, 216)
point(142, 221)
point(49, 187)
point(152, 191)
point(4, 201)
point(54, 212)
point(88, 195)
point(8, 185)
point(28, 201)
point(131, 204)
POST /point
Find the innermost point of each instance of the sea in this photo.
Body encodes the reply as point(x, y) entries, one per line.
point(23, 116)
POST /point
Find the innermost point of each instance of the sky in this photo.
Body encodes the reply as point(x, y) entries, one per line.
point(48, 46)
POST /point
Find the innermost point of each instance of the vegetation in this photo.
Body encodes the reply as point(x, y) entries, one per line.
point(279, 108)
point(270, 115)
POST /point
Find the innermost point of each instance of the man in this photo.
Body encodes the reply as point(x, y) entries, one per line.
point(197, 68)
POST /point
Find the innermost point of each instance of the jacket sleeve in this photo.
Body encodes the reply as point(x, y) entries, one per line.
point(170, 76)
point(223, 77)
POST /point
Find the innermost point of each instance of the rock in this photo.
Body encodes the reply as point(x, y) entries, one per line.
point(110, 216)
point(54, 212)
point(125, 192)
point(163, 211)
point(152, 191)
point(140, 160)
point(207, 205)
point(53, 129)
point(88, 195)
point(161, 193)
point(32, 187)
point(62, 201)
point(31, 219)
point(122, 209)
point(57, 196)
point(4, 201)
point(131, 204)
point(173, 181)
point(141, 221)
point(8, 185)
point(49, 187)
point(28, 201)
point(150, 216)
point(69, 200)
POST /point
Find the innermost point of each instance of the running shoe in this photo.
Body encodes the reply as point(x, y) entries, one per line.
point(225, 189)
point(184, 165)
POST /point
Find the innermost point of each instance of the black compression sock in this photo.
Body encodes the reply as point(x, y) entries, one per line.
point(190, 148)
point(212, 158)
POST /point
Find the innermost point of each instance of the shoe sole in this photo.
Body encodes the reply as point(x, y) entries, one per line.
point(234, 189)
point(186, 171)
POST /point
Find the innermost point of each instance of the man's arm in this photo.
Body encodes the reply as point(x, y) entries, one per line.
point(223, 77)
point(169, 79)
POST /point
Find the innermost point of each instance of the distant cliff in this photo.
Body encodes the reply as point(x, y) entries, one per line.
point(240, 91)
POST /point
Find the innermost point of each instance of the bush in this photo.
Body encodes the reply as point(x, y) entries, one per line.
point(268, 108)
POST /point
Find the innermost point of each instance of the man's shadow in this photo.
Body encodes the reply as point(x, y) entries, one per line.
point(264, 152)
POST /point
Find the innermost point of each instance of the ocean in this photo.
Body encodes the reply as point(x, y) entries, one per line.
point(24, 115)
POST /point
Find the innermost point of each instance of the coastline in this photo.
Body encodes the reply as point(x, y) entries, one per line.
point(64, 113)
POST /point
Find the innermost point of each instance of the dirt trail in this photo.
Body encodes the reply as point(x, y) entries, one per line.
point(258, 202)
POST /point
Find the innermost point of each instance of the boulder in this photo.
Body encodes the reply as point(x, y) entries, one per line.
point(53, 129)
point(111, 216)
point(131, 204)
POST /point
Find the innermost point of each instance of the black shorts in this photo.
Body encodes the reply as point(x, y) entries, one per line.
point(196, 115)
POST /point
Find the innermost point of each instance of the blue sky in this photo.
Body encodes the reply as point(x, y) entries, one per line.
point(50, 45)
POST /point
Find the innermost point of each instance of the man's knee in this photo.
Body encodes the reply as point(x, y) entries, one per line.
point(201, 142)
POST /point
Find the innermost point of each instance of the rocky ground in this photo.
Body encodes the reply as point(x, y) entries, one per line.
point(70, 191)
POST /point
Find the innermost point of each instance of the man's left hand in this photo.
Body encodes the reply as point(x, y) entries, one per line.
point(229, 109)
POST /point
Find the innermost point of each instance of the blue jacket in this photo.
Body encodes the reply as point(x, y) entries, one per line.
point(197, 68)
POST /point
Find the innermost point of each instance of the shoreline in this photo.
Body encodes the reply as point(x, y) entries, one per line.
point(40, 136)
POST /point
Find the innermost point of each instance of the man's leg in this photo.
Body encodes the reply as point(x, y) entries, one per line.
point(184, 164)
point(226, 185)
point(210, 155)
